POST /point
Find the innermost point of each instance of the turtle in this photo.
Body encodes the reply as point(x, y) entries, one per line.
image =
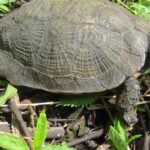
point(75, 47)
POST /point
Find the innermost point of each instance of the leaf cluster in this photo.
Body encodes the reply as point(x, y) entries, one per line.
point(140, 7)
point(78, 100)
point(119, 136)
point(9, 93)
point(11, 142)
point(4, 5)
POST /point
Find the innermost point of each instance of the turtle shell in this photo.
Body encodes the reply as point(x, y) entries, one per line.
point(71, 46)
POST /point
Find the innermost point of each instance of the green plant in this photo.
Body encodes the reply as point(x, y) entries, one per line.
point(147, 71)
point(40, 132)
point(78, 100)
point(4, 5)
point(11, 142)
point(123, 4)
point(140, 8)
point(9, 93)
point(119, 136)
point(3, 83)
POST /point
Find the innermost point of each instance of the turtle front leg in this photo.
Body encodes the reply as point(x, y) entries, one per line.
point(128, 99)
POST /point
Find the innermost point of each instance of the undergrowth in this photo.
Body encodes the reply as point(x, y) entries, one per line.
point(140, 7)
point(5, 5)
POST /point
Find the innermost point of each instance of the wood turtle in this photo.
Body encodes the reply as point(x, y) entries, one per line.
point(74, 46)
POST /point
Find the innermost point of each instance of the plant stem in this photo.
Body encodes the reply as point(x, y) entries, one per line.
point(124, 5)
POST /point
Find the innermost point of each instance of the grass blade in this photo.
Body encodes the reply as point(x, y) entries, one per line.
point(41, 131)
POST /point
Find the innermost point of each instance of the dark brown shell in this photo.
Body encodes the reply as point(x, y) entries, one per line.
point(71, 46)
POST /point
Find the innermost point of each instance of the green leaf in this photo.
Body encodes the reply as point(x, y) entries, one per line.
point(3, 83)
point(11, 142)
point(11, 1)
point(141, 9)
point(41, 131)
point(147, 71)
point(62, 146)
point(6, 1)
point(9, 93)
point(118, 126)
point(78, 100)
point(144, 2)
point(119, 135)
point(134, 137)
point(141, 109)
point(117, 140)
point(4, 8)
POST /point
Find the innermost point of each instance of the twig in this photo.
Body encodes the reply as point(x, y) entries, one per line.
point(142, 122)
point(52, 132)
point(148, 112)
point(17, 114)
point(108, 111)
point(33, 104)
point(146, 93)
point(60, 120)
point(76, 113)
point(142, 103)
point(98, 106)
point(93, 135)
point(146, 142)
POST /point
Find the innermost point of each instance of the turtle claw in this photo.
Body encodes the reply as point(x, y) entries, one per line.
point(130, 117)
